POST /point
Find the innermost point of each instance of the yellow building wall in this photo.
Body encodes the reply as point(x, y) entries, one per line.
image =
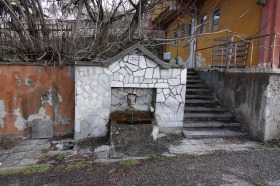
point(239, 16)
point(180, 47)
point(159, 8)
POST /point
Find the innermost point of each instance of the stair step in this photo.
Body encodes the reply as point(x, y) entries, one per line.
point(194, 81)
point(191, 72)
point(193, 77)
point(204, 109)
point(213, 133)
point(192, 96)
point(198, 90)
point(210, 124)
point(196, 86)
point(208, 116)
point(204, 117)
point(200, 101)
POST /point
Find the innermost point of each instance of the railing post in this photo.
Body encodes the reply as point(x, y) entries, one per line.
point(235, 51)
point(211, 57)
point(252, 50)
point(222, 57)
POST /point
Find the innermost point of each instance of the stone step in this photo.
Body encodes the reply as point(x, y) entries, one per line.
point(194, 81)
point(200, 101)
point(196, 96)
point(193, 77)
point(208, 117)
point(196, 86)
point(211, 124)
point(191, 72)
point(205, 109)
point(198, 90)
point(222, 133)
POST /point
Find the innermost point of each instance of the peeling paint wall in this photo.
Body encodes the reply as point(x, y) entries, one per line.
point(34, 92)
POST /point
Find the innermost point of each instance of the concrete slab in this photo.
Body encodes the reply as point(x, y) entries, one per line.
point(212, 133)
point(209, 146)
point(16, 156)
point(27, 161)
point(42, 128)
point(23, 148)
point(10, 163)
point(33, 154)
point(3, 157)
point(40, 147)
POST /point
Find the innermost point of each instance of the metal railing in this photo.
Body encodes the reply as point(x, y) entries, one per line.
point(237, 52)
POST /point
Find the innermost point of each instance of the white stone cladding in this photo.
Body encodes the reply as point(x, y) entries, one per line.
point(94, 85)
point(143, 99)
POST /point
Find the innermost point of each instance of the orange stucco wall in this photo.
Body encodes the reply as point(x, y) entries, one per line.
point(22, 88)
point(181, 47)
point(238, 16)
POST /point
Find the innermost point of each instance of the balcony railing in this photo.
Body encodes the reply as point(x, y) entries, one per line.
point(237, 52)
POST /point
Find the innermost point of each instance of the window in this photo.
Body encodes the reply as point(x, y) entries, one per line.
point(182, 31)
point(216, 19)
point(202, 22)
point(175, 36)
point(189, 29)
point(172, 5)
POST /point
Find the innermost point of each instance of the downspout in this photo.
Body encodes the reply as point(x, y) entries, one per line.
point(194, 35)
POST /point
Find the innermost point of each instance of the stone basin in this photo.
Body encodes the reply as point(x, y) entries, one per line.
point(132, 129)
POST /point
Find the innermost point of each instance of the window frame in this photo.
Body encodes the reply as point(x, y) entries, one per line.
point(175, 36)
point(202, 23)
point(182, 31)
point(215, 26)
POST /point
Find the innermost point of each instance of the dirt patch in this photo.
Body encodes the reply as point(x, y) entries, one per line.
point(8, 143)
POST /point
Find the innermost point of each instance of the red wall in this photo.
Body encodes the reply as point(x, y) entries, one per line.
point(21, 90)
point(270, 25)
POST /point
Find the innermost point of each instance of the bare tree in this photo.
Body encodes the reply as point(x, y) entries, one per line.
point(115, 25)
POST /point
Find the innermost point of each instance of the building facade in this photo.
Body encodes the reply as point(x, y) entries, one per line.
point(221, 33)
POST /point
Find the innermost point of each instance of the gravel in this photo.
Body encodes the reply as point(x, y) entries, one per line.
point(260, 167)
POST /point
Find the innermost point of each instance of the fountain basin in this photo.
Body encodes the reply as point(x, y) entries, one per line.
point(132, 129)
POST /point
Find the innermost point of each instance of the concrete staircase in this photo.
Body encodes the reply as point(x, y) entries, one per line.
point(204, 116)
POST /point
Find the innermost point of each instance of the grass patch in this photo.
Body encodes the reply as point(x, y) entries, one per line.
point(78, 166)
point(272, 149)
point(60, 166)
point(129, 162)
point(259, 184)
point(156, 157)
point(28, 170)
point(61, 156)
point(46, 150)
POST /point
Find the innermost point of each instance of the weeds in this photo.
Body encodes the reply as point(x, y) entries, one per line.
point(28, 170)
point(61, 156)
point(156, 157)
point(46, 150)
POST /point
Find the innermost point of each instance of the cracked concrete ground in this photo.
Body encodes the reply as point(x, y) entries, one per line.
point(212, 161)
point(29, 152)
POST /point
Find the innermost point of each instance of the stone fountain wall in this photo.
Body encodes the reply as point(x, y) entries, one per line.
point(143, 99)
point(96, 88)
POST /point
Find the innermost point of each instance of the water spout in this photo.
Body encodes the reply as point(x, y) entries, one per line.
point(131, 101)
